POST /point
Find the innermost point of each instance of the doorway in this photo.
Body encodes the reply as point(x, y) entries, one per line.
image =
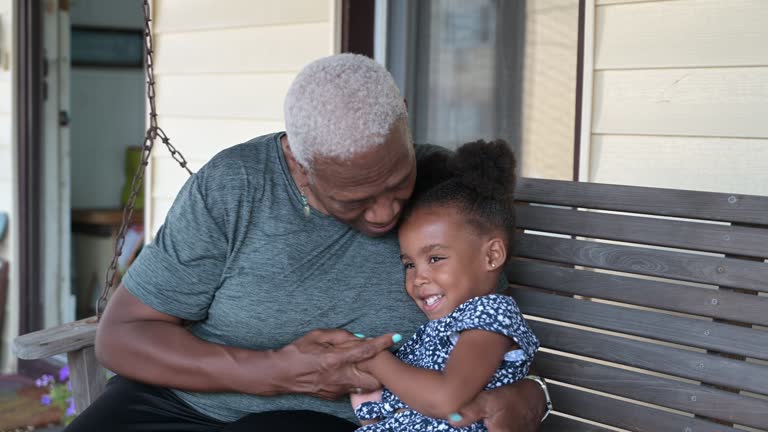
point(92, 115)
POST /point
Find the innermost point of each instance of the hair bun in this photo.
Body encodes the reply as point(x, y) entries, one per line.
point(488, 168)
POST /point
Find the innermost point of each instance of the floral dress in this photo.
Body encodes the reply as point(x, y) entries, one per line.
point(430, 347)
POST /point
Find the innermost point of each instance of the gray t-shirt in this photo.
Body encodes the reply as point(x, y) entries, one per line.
point(237, 255)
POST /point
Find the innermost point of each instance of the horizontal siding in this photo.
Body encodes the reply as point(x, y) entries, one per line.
point(168, 177)
point(730, 102)
point(241, 96)
point(680, 94)
point(203, 138)
point(710, 164)
point(222, 51)
point(222, 74)
point(195, 15)
point(684, 33)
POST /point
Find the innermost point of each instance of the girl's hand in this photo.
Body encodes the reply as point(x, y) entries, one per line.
point(322, 363)
point(358, 399)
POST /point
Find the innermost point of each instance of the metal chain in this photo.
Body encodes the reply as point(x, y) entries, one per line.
point(153, 132)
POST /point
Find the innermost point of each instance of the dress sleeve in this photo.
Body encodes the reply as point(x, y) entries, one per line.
point(370, 410)
point(500, 314)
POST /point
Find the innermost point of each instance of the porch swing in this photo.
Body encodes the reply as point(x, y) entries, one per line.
point(646, 300)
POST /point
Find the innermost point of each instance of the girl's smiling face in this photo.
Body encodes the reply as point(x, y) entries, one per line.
point(447, 262)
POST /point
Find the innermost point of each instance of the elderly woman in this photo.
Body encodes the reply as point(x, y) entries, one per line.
point(271, 240)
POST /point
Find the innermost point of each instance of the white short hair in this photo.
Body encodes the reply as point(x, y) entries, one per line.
point(340, 106)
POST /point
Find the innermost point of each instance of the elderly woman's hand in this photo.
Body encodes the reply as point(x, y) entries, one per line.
point(516, 407)
point(322, 364)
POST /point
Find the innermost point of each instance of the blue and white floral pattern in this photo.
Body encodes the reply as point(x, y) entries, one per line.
point(430, 347)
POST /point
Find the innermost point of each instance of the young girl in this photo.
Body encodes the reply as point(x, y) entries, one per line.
point(454, 240)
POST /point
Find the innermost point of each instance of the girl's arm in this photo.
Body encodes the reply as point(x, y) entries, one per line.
point(472, 363)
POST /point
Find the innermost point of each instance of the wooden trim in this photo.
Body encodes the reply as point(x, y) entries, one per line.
point(579, 91)
point(357, 19)
point(336, 26)
point(585, 108)
point(29, 84)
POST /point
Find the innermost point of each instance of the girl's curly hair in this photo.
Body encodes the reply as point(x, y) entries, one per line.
point(478, 179)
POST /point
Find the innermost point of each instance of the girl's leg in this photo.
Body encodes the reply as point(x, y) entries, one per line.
point(129, 406)
point(290, 421)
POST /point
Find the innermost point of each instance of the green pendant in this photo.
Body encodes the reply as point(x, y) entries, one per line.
point(305, 205)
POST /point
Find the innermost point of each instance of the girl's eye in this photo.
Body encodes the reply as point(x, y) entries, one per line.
point(408, 265)
point(435, 259)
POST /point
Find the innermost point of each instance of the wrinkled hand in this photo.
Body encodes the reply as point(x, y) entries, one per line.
point(516, 407)
point(322, 363)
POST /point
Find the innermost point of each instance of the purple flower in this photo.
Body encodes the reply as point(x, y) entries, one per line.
point(71, 407)
point(64, 373)
point(44, 380)
point(45, 399)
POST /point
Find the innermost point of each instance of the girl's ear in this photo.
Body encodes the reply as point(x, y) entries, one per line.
point(495, 254)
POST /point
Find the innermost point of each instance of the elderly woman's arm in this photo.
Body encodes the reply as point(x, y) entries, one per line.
point(517, 407)
point(138, 342)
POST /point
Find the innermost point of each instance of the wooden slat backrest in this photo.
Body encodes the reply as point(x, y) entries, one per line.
point(748, 209)
point(646, 302)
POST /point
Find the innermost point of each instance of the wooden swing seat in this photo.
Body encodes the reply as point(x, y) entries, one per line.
point(645, 300)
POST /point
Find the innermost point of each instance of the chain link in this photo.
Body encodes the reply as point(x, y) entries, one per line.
point(153, 132)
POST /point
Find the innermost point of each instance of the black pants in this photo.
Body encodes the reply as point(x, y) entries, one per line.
point(129, 406)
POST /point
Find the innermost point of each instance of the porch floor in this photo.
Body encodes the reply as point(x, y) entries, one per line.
point(20, 407)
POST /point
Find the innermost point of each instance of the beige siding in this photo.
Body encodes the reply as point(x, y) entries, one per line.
point(195, 15)
point(222, 74)
point(256, 96)
point(682, 33)
point(7, 183)
point(725, 102)
point(720, 164)
point(549, 88)
point(222, 51)
point(680, 94)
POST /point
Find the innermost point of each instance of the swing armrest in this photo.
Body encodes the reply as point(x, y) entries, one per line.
point(63, 339)
point(76, 339)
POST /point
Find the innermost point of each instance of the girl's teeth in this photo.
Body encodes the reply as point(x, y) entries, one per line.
point(432, 299)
